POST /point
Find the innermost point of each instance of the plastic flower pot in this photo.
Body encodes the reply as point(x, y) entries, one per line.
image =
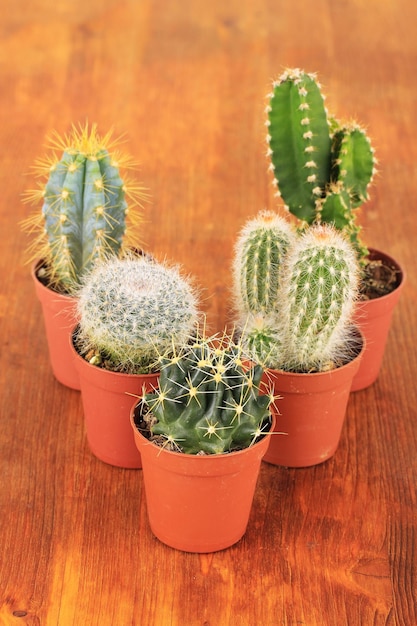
point(310, 413)
point(107, 399)
point(199, 503)
point(59, 315)
point(374, 319)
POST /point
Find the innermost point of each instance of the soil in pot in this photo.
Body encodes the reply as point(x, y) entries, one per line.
point(381, 290)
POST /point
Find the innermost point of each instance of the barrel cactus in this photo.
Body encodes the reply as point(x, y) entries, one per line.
point(85, 206)
point(322, 168)
point(308, 327)
point(207, 400)
point(131, 311)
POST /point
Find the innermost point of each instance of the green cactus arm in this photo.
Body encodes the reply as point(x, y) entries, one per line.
point(353, 162)
point(299, 142)
point(336, 209)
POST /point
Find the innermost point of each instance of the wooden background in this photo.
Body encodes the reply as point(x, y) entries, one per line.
point(186, 82)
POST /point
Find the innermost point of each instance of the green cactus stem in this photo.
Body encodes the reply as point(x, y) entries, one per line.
point(322, 169)
point(259, 250)
point(319, 289)
point(132, 310)
point(207, 401)
point(85, 209)
point(299, 142)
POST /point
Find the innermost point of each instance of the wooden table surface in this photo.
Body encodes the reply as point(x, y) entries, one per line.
point(186, 82)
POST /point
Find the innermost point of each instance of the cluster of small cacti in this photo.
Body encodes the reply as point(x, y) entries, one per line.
point(84, 212)
point(132, 310)
point(322, 169)
point(314, 284)
point(207, 400)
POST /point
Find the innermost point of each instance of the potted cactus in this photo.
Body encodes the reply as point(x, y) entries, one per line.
point(322, 170)
point(202, 434)
point(295, 295)
point(83, 219)
point(130, 311)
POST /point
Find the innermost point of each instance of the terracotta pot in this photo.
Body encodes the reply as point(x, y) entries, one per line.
point(374, 319)
point(310, 412)
point(107, 406)
point(199, 503)
point(59, 315)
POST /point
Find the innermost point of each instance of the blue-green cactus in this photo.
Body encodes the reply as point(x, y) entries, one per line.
point(314, 158)
point(84, 213)
point(207, 401)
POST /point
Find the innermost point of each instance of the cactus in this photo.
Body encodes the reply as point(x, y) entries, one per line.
point(308, 327)
point(132, 310)
point(207, 401)
point(84, 210)
point(259, 250)
point(322, 169)
point(319, 287)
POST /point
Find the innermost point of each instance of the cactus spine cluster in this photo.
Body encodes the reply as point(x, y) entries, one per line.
point(316, 286)
point(207, 401)
point(322, 168)
point(132, 310)
point(85, 208)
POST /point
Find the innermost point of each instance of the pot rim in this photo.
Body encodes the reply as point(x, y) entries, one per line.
point(201, 458)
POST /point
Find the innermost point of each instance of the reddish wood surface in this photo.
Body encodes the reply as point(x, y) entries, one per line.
point(186, 82)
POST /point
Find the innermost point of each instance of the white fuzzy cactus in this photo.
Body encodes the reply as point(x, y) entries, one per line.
point(132, 310)
point(319, 283)
point(308, 327)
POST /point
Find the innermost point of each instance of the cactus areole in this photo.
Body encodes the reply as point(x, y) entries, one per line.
point(84, 212)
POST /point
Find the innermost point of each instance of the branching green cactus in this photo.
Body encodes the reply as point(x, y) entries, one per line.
point(85, 208)
point(258, 253)
point(207, 401)
point(132, 310)
point(322, 169)
point(308, 327)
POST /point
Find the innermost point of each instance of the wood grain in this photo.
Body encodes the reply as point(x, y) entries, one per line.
point(186, 83)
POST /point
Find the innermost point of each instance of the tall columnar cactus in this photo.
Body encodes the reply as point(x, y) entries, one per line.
point(207, 401)
point(85, 208)
point(259, 250)
point(319, 283)
point(132, 310)
point(322, 169)
point(308, 326)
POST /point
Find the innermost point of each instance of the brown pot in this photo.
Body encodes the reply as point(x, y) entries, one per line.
point(309, 413)
point(374, 319)
point(199, 503)
point(107, 402)
point(59, 315)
